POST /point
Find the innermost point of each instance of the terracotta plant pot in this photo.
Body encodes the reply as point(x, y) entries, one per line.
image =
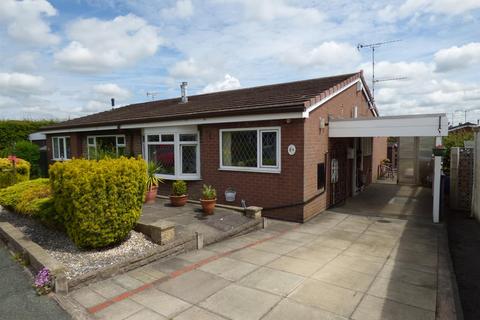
point(178, 201)
point(151, 195)
point(208, 205)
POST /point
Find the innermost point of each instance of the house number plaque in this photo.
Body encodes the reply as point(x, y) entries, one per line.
point(292, 149)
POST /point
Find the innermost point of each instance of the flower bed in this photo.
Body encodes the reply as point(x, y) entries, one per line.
point(77, 261)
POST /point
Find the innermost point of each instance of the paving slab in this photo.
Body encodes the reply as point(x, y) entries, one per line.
point(405, 293)
point(332, 298)
point(295, 265)
point(273, 281)
point(197, 255)
point(204, 284)
point(119, 311)
point(253, 256)
point(160, 302)
point(364, 264)
point(107, 288)
point(240, 303)
point(412, 276)
point(274, 247)
point(318, 254)
point(87, 297)
point(229, 269)
point(373, 308)
point(146, 314)
point(196, 313)
point(288, 309)
point(344, 277)
point(127, 281)
point(170, 265)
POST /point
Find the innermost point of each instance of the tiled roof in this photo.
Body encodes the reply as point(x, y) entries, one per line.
point(283, 97)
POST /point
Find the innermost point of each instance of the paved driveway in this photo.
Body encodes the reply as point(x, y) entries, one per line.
point(18, 300)
point(337, 266)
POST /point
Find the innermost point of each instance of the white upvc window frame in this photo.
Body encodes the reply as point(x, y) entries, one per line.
point(177, 147)
point(58, 158)
point(260, 167)
point(94, 137)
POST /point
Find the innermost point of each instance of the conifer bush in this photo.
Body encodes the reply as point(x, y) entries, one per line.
point(100, 200)
point(7, 175)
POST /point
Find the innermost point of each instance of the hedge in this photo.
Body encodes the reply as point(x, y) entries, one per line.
point(15, 130)
point(100, 200)
point(7, 176)
point(31, 198)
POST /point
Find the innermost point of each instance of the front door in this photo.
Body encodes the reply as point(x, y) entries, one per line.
point(338, 187)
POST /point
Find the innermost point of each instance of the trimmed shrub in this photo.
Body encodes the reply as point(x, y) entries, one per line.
point(31, 198)
point(7, 176)
point(100, 200)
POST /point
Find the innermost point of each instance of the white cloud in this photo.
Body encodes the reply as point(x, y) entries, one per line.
point(228, 83)
point(111, 90)
point(20, 83)
point(188, 69)
point(458, 57)
point(413, 8)
point(25, 21)
point(268, 10)
point(100, 45)
point(25, 61)
point(329, 53)
point(182, 9)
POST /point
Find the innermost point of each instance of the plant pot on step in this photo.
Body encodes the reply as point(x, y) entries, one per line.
point(178, 201)
point(151, 195)
point(208, 206)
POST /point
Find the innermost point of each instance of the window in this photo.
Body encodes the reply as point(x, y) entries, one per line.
point(104, 146)
point(60, 148)
point(177, 154)
point(321, 176)
point(250, 149)
point(367, 146)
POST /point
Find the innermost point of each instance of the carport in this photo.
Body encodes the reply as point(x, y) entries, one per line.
point(424, 125)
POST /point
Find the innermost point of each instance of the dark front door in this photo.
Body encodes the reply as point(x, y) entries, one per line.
point(338, 153)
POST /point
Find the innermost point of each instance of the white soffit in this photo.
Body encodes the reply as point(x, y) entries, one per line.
point(422, 125)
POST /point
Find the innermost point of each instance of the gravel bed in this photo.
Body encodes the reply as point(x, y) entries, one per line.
point(75, 260)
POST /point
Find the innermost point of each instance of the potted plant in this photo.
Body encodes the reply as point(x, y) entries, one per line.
point(179, 196)
point(152, 182)
point(209, 199)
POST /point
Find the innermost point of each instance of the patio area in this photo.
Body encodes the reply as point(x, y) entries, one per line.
point(336, 266)
point(190, 219)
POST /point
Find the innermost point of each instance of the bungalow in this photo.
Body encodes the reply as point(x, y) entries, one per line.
point(270, 143)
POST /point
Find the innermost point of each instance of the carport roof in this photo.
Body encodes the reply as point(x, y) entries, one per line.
point(417, 125)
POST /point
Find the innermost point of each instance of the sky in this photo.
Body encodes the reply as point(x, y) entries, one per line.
point(62, 59)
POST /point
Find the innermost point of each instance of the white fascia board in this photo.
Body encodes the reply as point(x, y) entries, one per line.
point(80, 129)
point(327, 98)
point(200, 121)
point(406, 126)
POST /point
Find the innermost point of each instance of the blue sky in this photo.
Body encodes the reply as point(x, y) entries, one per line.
point(67, 58)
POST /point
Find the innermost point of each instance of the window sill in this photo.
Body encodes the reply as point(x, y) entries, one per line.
point(60, 159)
point(182, 177)
point(252, 170)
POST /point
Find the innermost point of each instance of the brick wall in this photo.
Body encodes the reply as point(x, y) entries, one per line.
point(317, 144)
point(380, 147)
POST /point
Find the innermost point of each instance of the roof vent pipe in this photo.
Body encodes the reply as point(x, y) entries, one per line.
point(183, 88)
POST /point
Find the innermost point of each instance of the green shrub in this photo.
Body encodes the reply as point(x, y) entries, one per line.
point(7, 176)
point(31, 198)
point(179, 188)
point(27, 151)
point(100, 200)
point(15, 130)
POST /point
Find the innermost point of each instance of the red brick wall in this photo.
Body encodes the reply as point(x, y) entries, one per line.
point(268, 190)
point(316, 144)
point(380, 146)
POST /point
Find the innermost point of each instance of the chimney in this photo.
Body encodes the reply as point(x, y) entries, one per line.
point(113, 102)
point(183, 88)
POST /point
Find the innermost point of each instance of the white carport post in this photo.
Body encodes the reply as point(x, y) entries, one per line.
point(437, 168)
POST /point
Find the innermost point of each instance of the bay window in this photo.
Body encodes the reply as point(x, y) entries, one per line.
point(60, 148)
point(255, 149)
point(103, 146)
point(175, 151)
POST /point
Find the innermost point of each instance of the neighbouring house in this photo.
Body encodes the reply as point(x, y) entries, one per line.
point(463, 127)
point(270, 144)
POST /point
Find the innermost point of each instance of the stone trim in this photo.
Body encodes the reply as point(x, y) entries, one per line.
point(35, 255)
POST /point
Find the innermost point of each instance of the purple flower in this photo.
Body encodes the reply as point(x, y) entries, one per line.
point(43, 278)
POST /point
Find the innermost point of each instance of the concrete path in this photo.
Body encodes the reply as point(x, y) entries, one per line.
point(337, 266)
point(18, 300)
